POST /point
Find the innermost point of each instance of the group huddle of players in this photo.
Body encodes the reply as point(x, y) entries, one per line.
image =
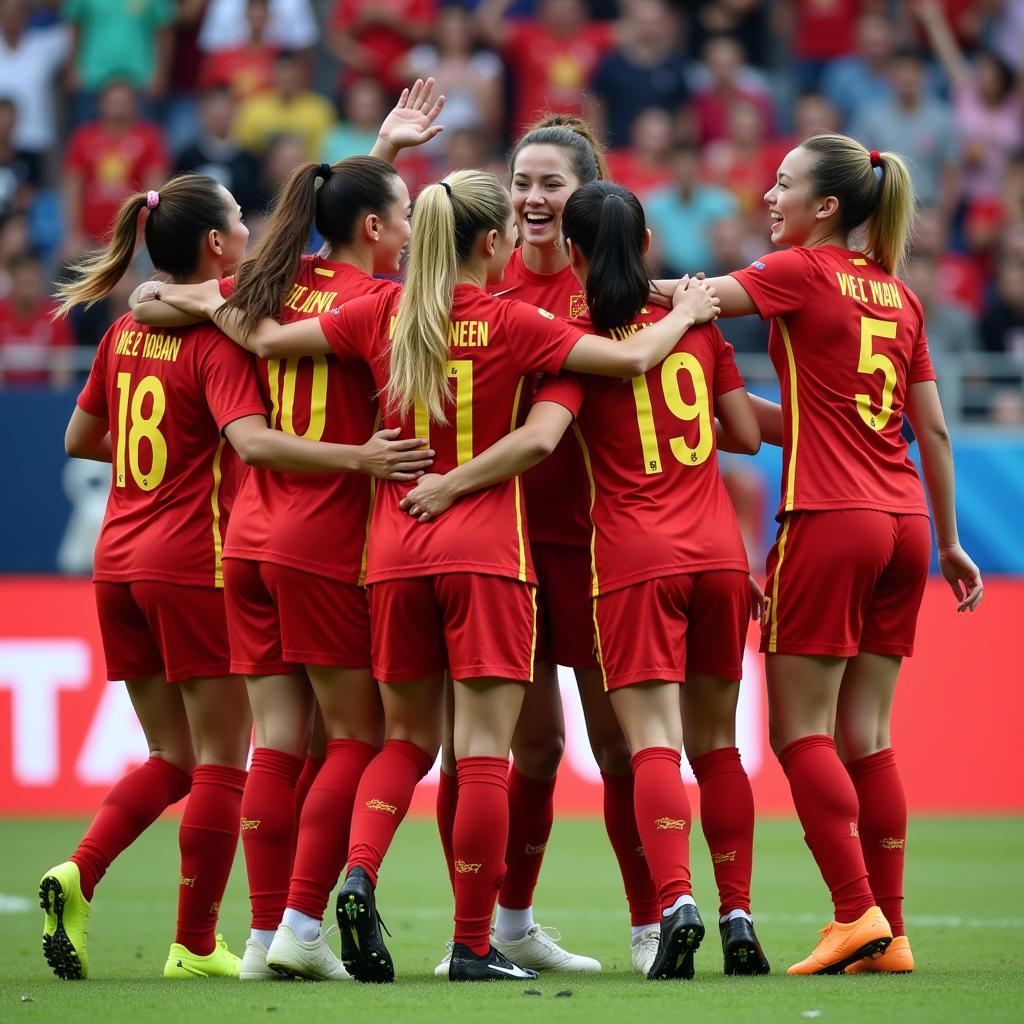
point(370, 519)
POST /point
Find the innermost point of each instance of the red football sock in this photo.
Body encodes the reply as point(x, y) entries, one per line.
point(128, 809)
point(302, 787)
point(208, 838)
point(382, 801)
point(727, 817)
point(883, 829)
point(324, 826)
point(480, 838)
point(531, 813)
point(447, 801)
point(662, 811)
point(620, 823)
point(268, 832)
point(826, 804)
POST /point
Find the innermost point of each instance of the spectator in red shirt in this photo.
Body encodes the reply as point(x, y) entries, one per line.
point(743, 160)
point(728, 81)
point(106, 161)
point(247, 68)
point(29, 336)
point(646, 164)
point(370, 37)
point(822, 31)
point(551, 57)
point(960, 280)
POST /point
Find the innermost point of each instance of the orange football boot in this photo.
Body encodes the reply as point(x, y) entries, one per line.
point(897, 959)
point(844, 944)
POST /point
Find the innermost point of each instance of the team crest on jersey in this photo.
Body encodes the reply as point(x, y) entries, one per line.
point(544, 312)
point(758, 264)
point(578, 306)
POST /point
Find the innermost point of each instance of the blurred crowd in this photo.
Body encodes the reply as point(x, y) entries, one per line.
point(697, 99)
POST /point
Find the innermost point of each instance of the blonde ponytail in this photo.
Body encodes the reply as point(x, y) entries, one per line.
point(419, 345)
point(448, 220)
point(889, 227)
point(883, 204)
point(95, 275)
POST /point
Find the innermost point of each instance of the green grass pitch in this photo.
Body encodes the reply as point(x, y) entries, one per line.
point(965, 914)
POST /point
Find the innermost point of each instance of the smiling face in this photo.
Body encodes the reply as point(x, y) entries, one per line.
point(793, 209)
point(542, 181)
point(394, 230)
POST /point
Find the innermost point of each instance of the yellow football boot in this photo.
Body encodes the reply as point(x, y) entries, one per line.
point(897, 959)
point(66, 914)
point(844, 944)
point(221, 963)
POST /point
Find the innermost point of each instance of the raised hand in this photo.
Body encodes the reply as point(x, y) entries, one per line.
point(411, 122)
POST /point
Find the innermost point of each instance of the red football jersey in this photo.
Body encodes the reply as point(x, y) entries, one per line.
point(168, 394)
point(316, 522)
point(847, 338)
point(556, 489)
point(494, 344)
point(658, 503)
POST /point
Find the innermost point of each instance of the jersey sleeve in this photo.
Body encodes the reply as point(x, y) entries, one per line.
point(567, 390)
point(538, 340)
point(778, 282)
point(920, 368)
point(727, 374)
point(229, 380)
point(352, 328)
point(93, 397)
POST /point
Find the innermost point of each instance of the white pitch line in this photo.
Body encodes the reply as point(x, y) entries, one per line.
point(14, 904)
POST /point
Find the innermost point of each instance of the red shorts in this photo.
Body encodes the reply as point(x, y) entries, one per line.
point(151, 628)
point(667, 626)
point(565, 632)
point(469, 623)
point(846, 581)
point(280, 619)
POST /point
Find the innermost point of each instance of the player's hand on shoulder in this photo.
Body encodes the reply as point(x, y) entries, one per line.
point(963, 577)
point(429, 498)
point(698, 298)
point(388, 457)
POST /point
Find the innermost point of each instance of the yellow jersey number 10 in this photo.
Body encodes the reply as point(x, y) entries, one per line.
point(699, 409)
point(461, 372)
point(143, 426)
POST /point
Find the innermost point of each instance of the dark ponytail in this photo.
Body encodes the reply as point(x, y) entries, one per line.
point(347, 191)
point(606, 224)
point(179, 217)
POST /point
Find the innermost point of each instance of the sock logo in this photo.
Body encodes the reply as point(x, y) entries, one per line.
point(535, 850)
point(892, 843)
point(380, 805)
point(215, 909)
point(190, 882)
point(723, 858)
point(668, 824)
point(854, 834)
point(639, 851)
point(463, 868)
point(250, 824)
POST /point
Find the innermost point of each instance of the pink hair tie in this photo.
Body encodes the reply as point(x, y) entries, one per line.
point(152, 199)
point(876, 158)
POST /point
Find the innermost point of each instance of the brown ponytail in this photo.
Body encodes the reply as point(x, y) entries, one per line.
point(883, 203)
point(347, 191)
point(186, 209)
